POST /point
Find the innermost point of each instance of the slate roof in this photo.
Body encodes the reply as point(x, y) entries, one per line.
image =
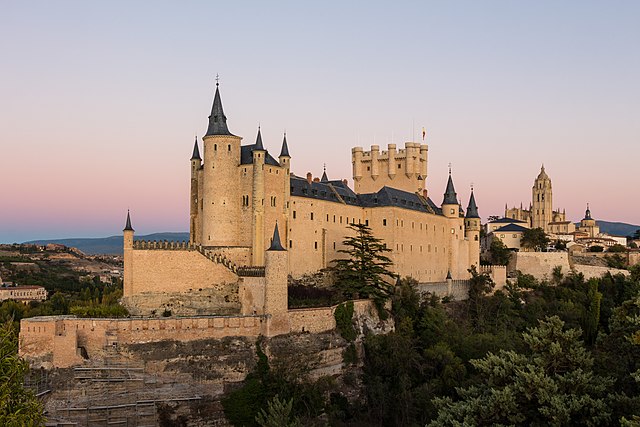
point(472, 209)
point(337, 191)
point(217, 119)
point(196, 152)
point(450, 196)
point(511, 228)
point(275, 241)
point(128, 226)
point(246, 156)
point(285, 148)
point(506, 221)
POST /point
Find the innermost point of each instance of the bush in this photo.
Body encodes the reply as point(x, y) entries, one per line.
point(595, 248)
point(350, 355)
point(344, 321)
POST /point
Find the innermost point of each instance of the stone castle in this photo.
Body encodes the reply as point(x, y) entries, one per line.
point(253, 226)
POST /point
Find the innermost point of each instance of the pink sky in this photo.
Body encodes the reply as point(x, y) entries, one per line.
point(99, 104)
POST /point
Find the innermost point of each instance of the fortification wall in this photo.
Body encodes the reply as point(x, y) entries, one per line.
point(592, 271)
point(53, 341)
point(457, 289)
point(539, 264)
point(498, 274)
point(154, 270)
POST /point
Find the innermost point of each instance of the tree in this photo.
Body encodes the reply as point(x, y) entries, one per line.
point(552, 384)
point(278, 414)
point(366, 272)
point(617, 248)
point(534, 238)
point(498, 252)
point(18, 405)
point(595, 248)
point(480, 285)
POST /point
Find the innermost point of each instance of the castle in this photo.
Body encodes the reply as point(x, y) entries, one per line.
point(240, 192)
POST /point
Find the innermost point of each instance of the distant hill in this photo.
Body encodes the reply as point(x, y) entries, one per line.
point(108, 245)
point(617, 228)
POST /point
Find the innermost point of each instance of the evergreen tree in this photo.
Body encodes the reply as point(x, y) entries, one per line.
point(535, 238)
point(18, 405)
point(553, 384)
point(366, 272)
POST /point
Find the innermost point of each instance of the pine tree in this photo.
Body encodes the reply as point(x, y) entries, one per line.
point(366, 273)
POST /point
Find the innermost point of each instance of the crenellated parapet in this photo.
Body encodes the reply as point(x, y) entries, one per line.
point(163, 245)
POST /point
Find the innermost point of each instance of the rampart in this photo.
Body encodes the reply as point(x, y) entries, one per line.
point(64, 341)
point(455, 289)
point(541, 265)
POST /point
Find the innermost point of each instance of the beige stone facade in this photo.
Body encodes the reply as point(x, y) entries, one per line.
point(23, 293)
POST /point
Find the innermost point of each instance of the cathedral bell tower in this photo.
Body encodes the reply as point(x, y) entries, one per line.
point(542, 201)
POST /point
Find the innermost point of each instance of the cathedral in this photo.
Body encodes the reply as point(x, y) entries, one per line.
point(541, 213)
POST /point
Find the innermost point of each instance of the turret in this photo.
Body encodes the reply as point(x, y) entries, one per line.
point(472, 230)
point(220, 207)
point(375, 167)
point(450, 207)
point(128, 233)
point(356, 159)
point(257, 205)
point(285, 162)
point(392, 160)
point(196, 164)
point(276, 297)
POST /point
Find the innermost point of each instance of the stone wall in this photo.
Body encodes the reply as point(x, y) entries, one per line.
point(455, 289)
point(593, 271)
point(175, 271)
point(538, 264)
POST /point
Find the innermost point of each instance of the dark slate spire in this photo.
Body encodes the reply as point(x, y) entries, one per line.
point(450, 196)
point(128, 226)
point(275, 242)
point(472, 209)
point(285, 149)
point(324, 175)
point(259, 145)
point(196, 152)
point(217, 119)
point(449, 275)
point(587, 213)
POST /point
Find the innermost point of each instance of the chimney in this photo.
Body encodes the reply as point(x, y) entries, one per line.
point(345, 182)
point(316, 179)
point(309, 177)
point(424, 193)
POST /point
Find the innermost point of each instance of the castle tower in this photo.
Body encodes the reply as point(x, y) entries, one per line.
point(285, 162)
point(276, 296)
point(588, 224)
point(404, 169)
point(450, 207)
point(220, 207)
point(472, 230)
point(257, 203)
point(196, 164)
point(542, 201)
point(128, 232)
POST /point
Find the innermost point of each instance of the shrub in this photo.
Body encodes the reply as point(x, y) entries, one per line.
point(344, 321)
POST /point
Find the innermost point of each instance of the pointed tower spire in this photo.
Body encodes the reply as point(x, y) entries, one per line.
point(196, 151)
point(324, 174)
point(259, 145)
point(275, 241)
point(128, 226)
point(285, 149)
point(472, 209)
point(450, 196)
point(449, 275)
point(587, 213)
point(217, 119)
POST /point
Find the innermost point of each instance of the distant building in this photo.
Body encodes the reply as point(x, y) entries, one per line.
point(508, 230)
point(23, 293)
point(55, 247)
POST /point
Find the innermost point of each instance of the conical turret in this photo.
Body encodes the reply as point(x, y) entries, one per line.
point(217, 119)
point(472, 209)
point(127, 226)
point(284, 152)
point(196, 151)
point(259, 145)
point(275, 241)
point(450, 196)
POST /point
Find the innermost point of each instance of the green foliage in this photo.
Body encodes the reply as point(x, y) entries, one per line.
point(595, 248)
point(551, 384)
point(278, 414)
point(535, 239)
point(556, 274)
point(479, 286)
point(350, 355)
point(560, 245)
point(591, 319)
point(344, 321)
point(617, 248)
point(499, 254)
point(18, 406)
point(616, 261)
point(366, 272)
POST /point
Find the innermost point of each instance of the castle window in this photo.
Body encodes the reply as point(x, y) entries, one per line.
point(315, 245)
point(453, 230)
point(327, 217)
point(399, 165)
point(384, 222)
point(334, 245)
point(413, 225)
point(334, 218)
point(215, 147)
point(294, 214)
point(476, 238)
point(229, 147)
point(368, 168)
point(290, 243)
point(311, 216)
point(366, 223)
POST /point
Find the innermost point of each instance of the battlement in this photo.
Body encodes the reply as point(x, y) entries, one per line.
point(404, 168)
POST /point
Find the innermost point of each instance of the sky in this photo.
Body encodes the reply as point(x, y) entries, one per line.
point(100, 101)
